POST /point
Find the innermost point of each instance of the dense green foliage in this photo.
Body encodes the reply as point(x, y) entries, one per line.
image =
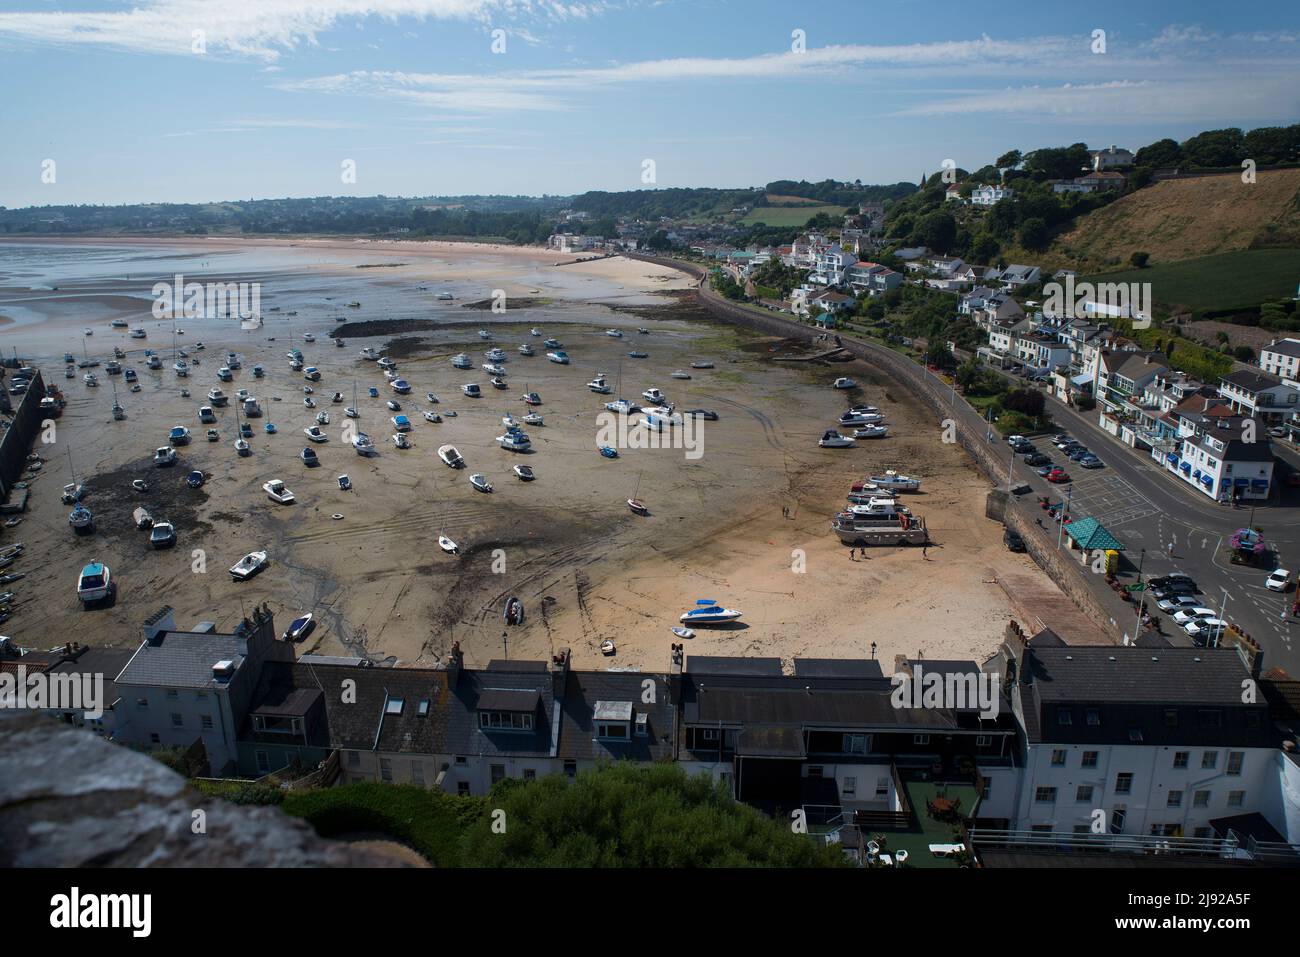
point(623, 815)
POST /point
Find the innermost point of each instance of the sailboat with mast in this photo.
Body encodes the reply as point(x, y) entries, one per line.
point(179, 365)
point(637, 506)
point(119, 413)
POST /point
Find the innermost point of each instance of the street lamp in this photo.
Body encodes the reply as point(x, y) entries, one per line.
point(1141, 600)
point(1222, 606)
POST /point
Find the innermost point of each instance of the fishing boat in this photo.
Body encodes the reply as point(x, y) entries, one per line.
point(242, 447)
point(553, 343)
point(164, 455)
point(896, 481)
point(493, 369)
point(599, 385)
point(638, 355)
point(871, 431)
point(607, 647)
point(336, 398)
point(462, 361)
point(323, 417)
point(345, 483)
point(513, 611)
point(298, 628)
point(525, 473)
point(614, 333)
point(559, 356)
point(94, 583)
point(702, 364)
point(471, 389)
point(534, 331)
point(315, 434)
point(682, 632)
point(495, 354)
point(248, 566)
point(432, 417)
point(861, 418)
point(447, 545)
point(363, 444)
point(527, 350)
point(276, 491)
point(213, 435)
point(401, 423)
point(844, 382)
point(450, 457)
point(533, 418)
point(81, 519)
point(514, 440)
point(484, 334)
point(369, 353)
point(833, 440)
point(622, 406)
point(142, 518)
point(162, 535)
point(681, 374)
point(709, 612)
point(402, 440)
point(654, 396)
point(480, 482)
point(217, 398)
point(531, 398)
point(309, 457)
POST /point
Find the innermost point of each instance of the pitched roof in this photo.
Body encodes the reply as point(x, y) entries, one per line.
point(181, 659)
point(1088, 533)
point(1284, 347)
point(585, 689)
point(1251, 381)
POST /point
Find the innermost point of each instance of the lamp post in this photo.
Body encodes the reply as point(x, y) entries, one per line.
point(1141, 601)
point(1222, 606)
point(1060, 531)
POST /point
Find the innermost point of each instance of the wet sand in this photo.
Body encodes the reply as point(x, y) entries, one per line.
point(566, 544)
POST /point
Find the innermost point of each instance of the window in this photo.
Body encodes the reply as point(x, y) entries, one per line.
point(354, 759)
point(462, 760)
point(1209, 760)
point(850, 787)
point(1058, 758)
point(178, 721)
point(612, 729)
point(1200, 799)
point(142, 704)
point(530, 774)
point(173, 694)
point(506, 720)
point(983, 740)
point(1235, 759)
point(1123, 782)
point(921, 739)
point(1211, 717)
point(571, 768)
point(882, 788)
point(1093, 717)
point(462, 788)
point(709, 734)
point(643, 725)
point(206, 721)
point(1135, 735)
point(263, 761)
point(1084, 794)
point(1181, 758)
point(1203, 832)
point(1089, 759)
point(1236, 798)
point(1174, 799)
point(417, 773)
point(154, 739)
point(423, 708)
point(1044, 795)
point(987, 789)
point(1042, 829)
point(1081, 829)
point(855, 743)
point(1171, 718)
point(385, 769)
point(1117, 819)
point(1063, 716)
point(498, 772)
point(815, 771)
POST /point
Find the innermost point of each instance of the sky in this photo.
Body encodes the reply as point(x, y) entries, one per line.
point(209, 100)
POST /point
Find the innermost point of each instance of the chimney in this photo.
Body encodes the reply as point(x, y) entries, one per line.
point(559, 673)
point(675, 671)
point(455, 661)
point(159, 622)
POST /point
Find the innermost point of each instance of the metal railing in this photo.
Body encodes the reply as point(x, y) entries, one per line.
point(1231, 847)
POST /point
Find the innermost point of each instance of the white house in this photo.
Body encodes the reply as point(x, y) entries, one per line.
point(990, 195)
point(1281, 358)
point(1111, 157)
point(1257, 394)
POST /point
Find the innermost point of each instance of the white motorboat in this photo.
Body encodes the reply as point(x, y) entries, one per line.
point(599, 385)
point(480, 482)
point(493, 369)
point(315, 434)
point(896, 481)
point(614, 333)
point(681, 374)
point(833, 440)
point(495, 354)
point(553, 343)
point(91, 380)
point(844, 382)
point(534, 331)
point(431, 398)
point(607, 648)
point(871, 431)
point(351, 413)
point(622, 407)
point(362, 443)
point(137, 333)
point(702, 364)
point(514, 440)
point(242, 447)
point(558, 356)
point(509, 421)
point(861, 418)
point(484, 334)
point(166, 455)
point(401, 440)
point(81, 519)
point(531, 398)
point(462, 361)
point(450, 457)
point(447, 545)
point(217, 398)
point(277, 492)
point(248, 566)
point(298, 628)
point(527, 350)
point(525, 473)
point(709, 612)
point(533, 418)
point(322, 417)
point(386, 363)
point(308, 337)
point(654, 396)
point(369, 353)
point(471, 389)
point(432, 417)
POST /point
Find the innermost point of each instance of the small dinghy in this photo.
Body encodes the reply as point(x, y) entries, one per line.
point(680, 374)
point(248, 566)
point(345, 483)
point(431, 398)
point(298, 628)
point(532, 418)
point(350, 412)
point(432, 417)
point(143, 520)
point(498, 383)
point(525, 472)
point(323, 418)
point(309, 403)
point(513, 611)
point(140, 485)
point(448, 546)
point(681, 632)
point(336, 397)
point(609, 452)
point(242, 447)
point(607, 647)
point(480, 482)
point(395, 406)
point(194, 479)
point(638, 355)
point(637, 506)
point(450, 457)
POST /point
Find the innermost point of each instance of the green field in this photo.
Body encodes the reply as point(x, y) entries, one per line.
point(788, 216)
point(1221, 283)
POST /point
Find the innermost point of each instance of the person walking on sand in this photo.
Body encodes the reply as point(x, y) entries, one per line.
point(925, 551)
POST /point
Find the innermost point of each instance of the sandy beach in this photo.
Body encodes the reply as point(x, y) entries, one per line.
point(566, 544)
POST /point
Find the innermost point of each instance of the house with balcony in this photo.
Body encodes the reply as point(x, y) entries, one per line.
point(1258, 394)
point(1041, 353)
point(831, 264)
point(998, 308)
point(1224, 456)
point(1015, 276)
point(1141, 741)
point(873, 278)
point(1281, 358)
point(990, 195)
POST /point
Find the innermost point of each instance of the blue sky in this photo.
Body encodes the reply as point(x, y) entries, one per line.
point(285, 91)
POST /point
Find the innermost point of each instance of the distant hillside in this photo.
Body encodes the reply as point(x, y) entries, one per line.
point(1184, 219)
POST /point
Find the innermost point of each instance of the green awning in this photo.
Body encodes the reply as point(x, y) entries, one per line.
point(1090, 534)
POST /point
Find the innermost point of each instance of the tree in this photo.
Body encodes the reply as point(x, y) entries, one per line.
point(1139, 260)
point(937, 230)
point(1009, 160)
point(1164, 152)
point(635, 816)
point(1215, 148)
point(968, 374)
point(1033, 234)
point(1027, 402)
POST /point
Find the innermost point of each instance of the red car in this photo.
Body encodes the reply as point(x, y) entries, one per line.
point(1058, 476)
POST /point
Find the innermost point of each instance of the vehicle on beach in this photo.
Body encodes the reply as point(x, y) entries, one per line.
point(709, 612)
point(162, 535)
point(95, 583)
point(558, 356)
point(480, 482)
point(166, 455)
point(450, 457)
point(833, 440)
point(298, 628)
point(525, 473)
point(248, 566)
point(276, 491)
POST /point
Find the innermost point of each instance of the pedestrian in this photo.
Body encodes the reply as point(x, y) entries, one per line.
point(1171, 549)
point(1040, 523)
point(853, 554)
point(925, 551)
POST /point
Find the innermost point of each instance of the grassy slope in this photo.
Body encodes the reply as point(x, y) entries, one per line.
point(1231, 280)
point(789, 216)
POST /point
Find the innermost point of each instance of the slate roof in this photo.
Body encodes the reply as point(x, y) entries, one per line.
point(107, 662)
point(1284, 347)
point(1251, 381)
point(181, 659)
point(583, 689)
point(711, 665)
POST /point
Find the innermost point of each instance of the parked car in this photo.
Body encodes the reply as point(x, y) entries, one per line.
point(1081, 453)
point(1016, 439)
point(1058, 476)
point(1177, 603)
point(1046, 469)
point(1173, 591)
point(1206, 631)
point(1013, 541)
point(1164, 581)
point(1091, 462)
point(1279, 580)
point(1185, 616)
point(1035, 459)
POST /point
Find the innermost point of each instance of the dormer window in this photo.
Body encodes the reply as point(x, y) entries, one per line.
point(507, 709)
point(612, 720)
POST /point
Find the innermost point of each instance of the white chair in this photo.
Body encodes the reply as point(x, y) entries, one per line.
point(901, 857)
